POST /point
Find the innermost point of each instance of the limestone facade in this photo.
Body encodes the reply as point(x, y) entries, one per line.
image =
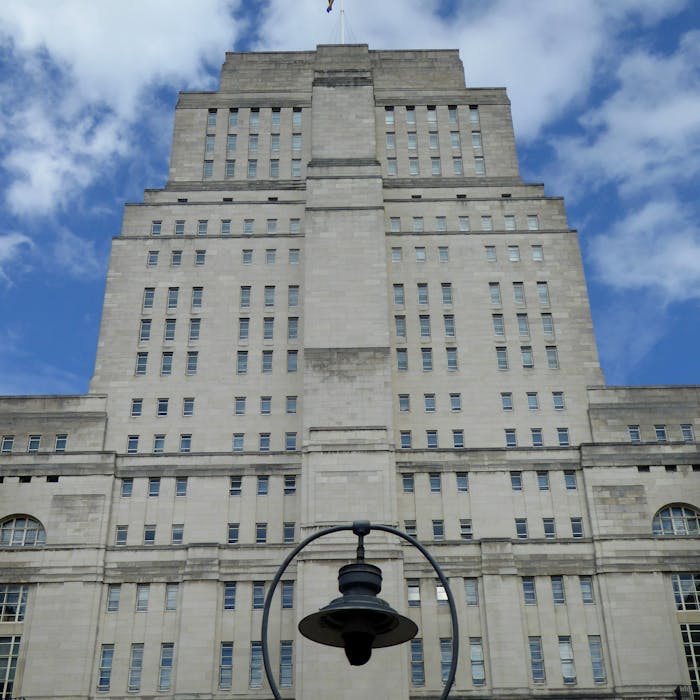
point(346, 304)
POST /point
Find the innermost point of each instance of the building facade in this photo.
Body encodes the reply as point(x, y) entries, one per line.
point(346, 304)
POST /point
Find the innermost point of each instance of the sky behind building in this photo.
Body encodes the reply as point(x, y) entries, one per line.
point(605, 98)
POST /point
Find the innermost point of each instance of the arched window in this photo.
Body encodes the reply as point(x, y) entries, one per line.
point(676, 519)
point(21, 531)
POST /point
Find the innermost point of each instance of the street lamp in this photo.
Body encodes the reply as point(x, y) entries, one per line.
point(359, 621)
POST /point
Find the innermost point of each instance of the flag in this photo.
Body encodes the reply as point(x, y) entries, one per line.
point(330, 6)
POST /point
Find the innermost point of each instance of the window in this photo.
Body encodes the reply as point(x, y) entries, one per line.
point(288, 532)
point(136, 410)
point(120, 535)
point(552, 357)
point(499, 328)
point(268, 327)
point(440, 224)
point(465, 529)
point(252, 168)
point(290, 484)
point(443, 254)
point(265, 406)
point(199, 257)
point(586, 584)
point(296, 167)
point(543, 293)
point(435, 167)
point(104, 671)
point(537, 440)
point(509, 222)
point(429, 400)
point(388, 115)
point(495, 293)
point(132, 444)
point(427, 359)
point(660, 432)
point(514, 253)
point(432, 114)
point(570, 480)
point(8, 442)
point(537, 253)
point(294, 226)
point(286, 665)
point(519, 292)
point(176, 258)
point(401, 359)
point(400, 325)
point(676, 520)
point(445, 658)
point(536, 659)
point(455, 402)
point(188, 406)
point(292, 360)
point(61, 442)
point(232, 533)
point(410, 115)
point(177, 533)
point(558, 592)
point(420, 254)
point(577, 527)
point(148, 297)
point(446, 288)
point(165, 670)
point(438, 530)
point(687, 433)
point(169, 330)
point(242, 362)
point(269, 295)
point(533, 223)
point(294, 256)
point(424, 324)
point(235, 486)
point(226, 666)
point(435, 482)
point(127, 487)
point(479, 166)
point(264, 442)
point(263, 485)
point(270, 256)
point(486, 223)
point(502, 358)
point(463, 223)
point(405, 439)
point(523, 325)
point(258, 595)
point(145, 330)
point(563, 436)
point(521, 528)
point(291, 404)
point(191, 366)
point(413, 166)
point(634, 433)
point(549, 528)
point(529, 591)
point(598, 666)
point(398, 295)
point(158, 444)
point(287, 595)
point(185, 443)
point(197, 295)
point(171, 596)
point(292, 295)
point(476, 657)
point(407, 481)
point(404, 403)
point(413, 589)
point(566, 656)
point(142, 591)
point(511, 437)
point(274, 168)
point(149, 534)
point(417, 665)
point(409, 527)
point(452, 364)
point(230, 595)
point(543, 481)
point(391, 141)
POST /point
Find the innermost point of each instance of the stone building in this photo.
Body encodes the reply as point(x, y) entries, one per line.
point(346, 304)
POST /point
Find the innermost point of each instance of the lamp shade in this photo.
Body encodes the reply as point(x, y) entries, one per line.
point(359, 621)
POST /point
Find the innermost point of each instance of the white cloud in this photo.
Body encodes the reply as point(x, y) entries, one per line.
point(77, 256)
point(11, 247)
point(87, 67)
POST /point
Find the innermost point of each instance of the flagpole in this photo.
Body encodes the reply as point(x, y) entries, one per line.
point(342, 21)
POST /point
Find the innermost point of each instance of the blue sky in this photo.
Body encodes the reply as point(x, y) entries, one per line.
point(606, 104)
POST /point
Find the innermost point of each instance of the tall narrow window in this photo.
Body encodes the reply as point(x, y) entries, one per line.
point(566, 656)
point(256, 662)
point(417, 664)
point(104, 672)
point(445, 658)
point(286, 666)
point(135, 667)
point(536, 659)
point(476, 657)
point(165, 671)
point(597, 663)
point(226, 666)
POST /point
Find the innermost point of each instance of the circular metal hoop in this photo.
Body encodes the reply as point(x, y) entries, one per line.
point(362, 525)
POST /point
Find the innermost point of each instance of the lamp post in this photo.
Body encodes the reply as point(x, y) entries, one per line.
point(359, 621)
